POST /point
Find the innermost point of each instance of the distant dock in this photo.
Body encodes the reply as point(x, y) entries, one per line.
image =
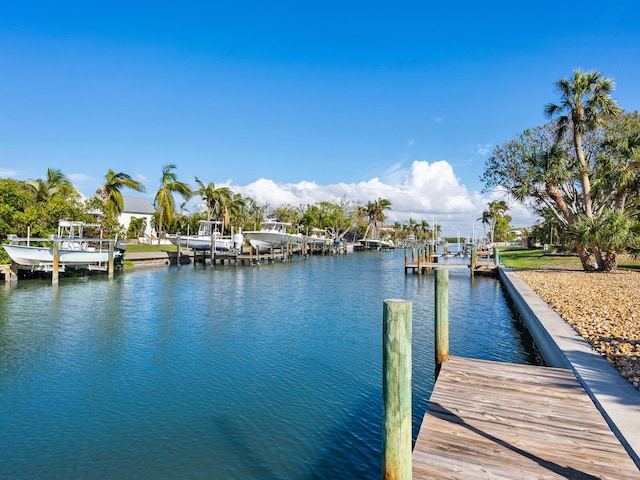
point(421, 260)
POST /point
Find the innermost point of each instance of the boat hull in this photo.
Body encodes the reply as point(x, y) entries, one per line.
point(263, 241)
point(196, 242)
point(35, 256)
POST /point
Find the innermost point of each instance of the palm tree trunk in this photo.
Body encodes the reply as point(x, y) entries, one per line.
point(621, 199)
point(584, 174)
point(586, 192)
point(610, 263)
point(585, 257)
point(160, 227)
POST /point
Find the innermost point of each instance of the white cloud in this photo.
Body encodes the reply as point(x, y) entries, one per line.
point(484, 149)
point(438, 119)
point(8, 173)
point(411, 143)
point(425, 191)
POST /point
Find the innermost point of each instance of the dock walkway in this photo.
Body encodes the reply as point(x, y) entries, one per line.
point(505, 421)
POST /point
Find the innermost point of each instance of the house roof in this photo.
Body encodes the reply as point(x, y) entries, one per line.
point(137, 205)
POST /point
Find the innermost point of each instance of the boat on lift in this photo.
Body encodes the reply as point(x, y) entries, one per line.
point(207, 230)
point(74, 249)
point(274, 235)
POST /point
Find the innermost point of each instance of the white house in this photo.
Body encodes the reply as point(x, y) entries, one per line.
point(140, 208)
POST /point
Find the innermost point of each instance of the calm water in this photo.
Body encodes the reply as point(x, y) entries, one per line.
point(229, 372)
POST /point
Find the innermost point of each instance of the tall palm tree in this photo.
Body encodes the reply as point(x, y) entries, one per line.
point(375, 212)
point(585, 101)
point(217, 200)
point(235, 208)
point(111, 193)
point(497, 209)
point(164, 201)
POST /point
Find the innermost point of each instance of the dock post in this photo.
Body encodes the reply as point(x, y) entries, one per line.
point(213, 250)
point(111, 255)
point(178, 249)
point(496, 256)
point(14, 271)
point(442, 317)
point(396, 390)
point(474, 259)
point(56, 263)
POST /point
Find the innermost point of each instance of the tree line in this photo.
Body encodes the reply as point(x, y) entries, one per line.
point(580, 172)
point(39, 204)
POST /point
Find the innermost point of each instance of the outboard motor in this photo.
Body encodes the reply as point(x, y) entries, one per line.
point(238, 241)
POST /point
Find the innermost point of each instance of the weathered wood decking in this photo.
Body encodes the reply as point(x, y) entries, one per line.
point(506, 421)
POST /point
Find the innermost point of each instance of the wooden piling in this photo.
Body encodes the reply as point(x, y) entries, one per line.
point(496, 256)
point(396, 390)
point(474, 260)
point(179, 249)
point(111, 259)
point(213, 250)
point(441, 330)
point(56, 262)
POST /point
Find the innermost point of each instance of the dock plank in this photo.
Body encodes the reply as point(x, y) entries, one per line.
point(506, 421)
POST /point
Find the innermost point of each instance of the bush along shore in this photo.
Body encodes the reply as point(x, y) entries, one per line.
point(603, 308)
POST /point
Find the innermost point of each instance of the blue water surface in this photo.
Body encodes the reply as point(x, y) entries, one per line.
point(233, 372)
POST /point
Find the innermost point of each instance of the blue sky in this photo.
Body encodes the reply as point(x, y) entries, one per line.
point(297, 101)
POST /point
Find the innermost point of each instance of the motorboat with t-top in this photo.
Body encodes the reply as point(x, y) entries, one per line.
point(274, 235)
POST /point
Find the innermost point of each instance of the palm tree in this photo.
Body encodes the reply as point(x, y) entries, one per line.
point(585, 102)
point(55, 183)
point(211, 196)
point(622, 159)
point(612, 232)
point(164, 201)
point(375, 213)
point(497, 209)
point(235, 208)
point(111, 194)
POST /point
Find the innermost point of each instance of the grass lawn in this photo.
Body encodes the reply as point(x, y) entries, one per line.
point(517, 257)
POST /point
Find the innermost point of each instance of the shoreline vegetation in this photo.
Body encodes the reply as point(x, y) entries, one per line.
point(603, 308)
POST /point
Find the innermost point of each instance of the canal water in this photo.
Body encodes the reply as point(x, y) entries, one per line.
point(264, 372)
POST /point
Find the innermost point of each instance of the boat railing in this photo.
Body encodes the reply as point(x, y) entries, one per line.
point(14, 239)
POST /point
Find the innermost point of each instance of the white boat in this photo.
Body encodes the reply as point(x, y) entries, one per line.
point(274, 235)
point(319, 238)
point(207, 229)
point(74, 250)
point(374, 244)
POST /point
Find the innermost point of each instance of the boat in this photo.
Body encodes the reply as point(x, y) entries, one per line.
point(274, 235)
point(207, 229)
point(374, 244)
point(74, 250)
point(370, 241)
point(319, 239)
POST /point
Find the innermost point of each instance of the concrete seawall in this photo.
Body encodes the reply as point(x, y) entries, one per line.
point(157, 259)
point(561, 346)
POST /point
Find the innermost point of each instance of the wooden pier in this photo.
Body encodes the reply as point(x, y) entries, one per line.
point(423, 261)
point(505, 421)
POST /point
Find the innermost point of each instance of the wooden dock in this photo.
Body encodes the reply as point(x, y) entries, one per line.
point(423, 261)
point(505, 421)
